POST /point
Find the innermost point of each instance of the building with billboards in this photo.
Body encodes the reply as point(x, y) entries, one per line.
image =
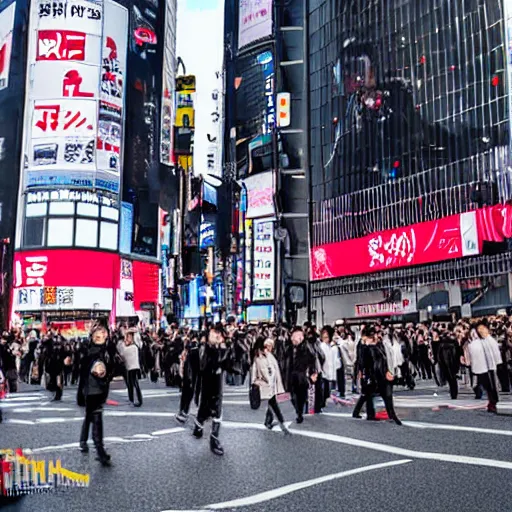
point(87, 232)
point(264, 154)
point(12, 89)
point(410, 157)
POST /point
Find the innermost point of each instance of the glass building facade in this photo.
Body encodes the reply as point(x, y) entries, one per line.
point(409, 106)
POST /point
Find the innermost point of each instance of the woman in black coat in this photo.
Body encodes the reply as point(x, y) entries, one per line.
point(447, 354)
point(96, 373)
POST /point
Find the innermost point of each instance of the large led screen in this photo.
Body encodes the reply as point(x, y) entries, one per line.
point(255, 113)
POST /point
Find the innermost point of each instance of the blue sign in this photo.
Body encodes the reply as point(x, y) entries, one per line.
point(125, 241)
point(266, 60)
point(207, 232)
point(209, 194)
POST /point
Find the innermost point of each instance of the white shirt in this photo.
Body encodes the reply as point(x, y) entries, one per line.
point(484, 355)
point(130, 355)
point(332, 361)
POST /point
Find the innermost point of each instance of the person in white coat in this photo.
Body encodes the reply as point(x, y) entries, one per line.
point(265, 374)
point(129, 351)
point(332, 362)
point(484, 357)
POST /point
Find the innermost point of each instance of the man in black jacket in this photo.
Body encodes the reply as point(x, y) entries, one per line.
point(95, 380)
point(215, 357)
point(299, 369)
point(190, 372)
point(376, 374)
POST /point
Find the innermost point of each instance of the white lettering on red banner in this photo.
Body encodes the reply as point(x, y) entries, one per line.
point(427, 242)
point(60, 45)
point(30, 271)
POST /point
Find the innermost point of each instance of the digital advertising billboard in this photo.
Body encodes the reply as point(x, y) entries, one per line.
point(255, 113)
point(254, 21)
point(74, 112)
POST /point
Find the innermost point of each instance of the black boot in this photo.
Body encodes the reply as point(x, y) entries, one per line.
point(269, 419)
point(84, 435)
point(215, 445)
point(198, 430)
point(97, 435)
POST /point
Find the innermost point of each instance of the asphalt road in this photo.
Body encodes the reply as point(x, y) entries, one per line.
point(440, 460)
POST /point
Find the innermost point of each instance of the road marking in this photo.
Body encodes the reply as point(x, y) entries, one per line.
point(461, 428)
point(288, 489)
point(235, 402)
point(14, 404)
point(168, 431)
point(436, 426)
point(19, 422)
point(148, 414)
point(22, 399)
point(58, 420)
point(33, 409)
point(403, 452)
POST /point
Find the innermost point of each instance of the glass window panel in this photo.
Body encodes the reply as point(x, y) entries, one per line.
point(87, 209)
point(109, 213)
point(86, 233)
point(33, 235)
point(36, 209)
point(67, 208)
point(60, 232)
point(108, 236)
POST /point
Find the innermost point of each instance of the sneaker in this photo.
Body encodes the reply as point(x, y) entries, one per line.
point(84, 448)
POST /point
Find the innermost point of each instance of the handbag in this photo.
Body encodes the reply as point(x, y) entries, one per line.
point(283, 397)
point(255, 397)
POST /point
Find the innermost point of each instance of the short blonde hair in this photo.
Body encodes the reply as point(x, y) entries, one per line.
point(269, 341)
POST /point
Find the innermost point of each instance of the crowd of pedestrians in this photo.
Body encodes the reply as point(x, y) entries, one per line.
point(307, 364)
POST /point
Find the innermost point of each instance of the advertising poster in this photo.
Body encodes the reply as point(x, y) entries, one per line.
point(260, 195)
point(113, 71)
point(255, 113)
point(69, 80)
point(6, 29)
point(264, 260)
point(254, 21)
point(68, 16)
point(207, 231)
point(168, 85)
point(447, 238)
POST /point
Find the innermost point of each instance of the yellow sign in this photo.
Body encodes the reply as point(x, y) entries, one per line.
point(185, 117)
point(186, 83)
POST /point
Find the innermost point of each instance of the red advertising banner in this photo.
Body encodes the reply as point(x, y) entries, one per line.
point(418, 244)
point(67, 267)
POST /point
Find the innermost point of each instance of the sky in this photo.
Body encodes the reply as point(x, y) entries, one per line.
point(200, 35)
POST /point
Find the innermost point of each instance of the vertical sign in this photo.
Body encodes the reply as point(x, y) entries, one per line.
point(112, 93)
point(264, 260)
point(6, 28)
point(168, 85)
point(76, 82)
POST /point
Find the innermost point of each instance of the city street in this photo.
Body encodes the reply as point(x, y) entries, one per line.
point(441, 459)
